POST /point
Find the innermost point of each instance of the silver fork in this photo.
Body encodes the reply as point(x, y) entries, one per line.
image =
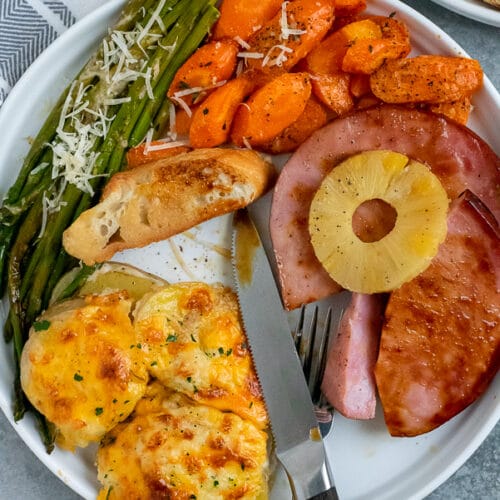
point(312, 343)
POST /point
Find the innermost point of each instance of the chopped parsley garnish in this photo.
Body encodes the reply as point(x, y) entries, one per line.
point(42, 325)
point(99, 411)
point(77, 377)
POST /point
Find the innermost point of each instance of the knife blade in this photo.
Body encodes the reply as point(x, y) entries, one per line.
point(297, 438)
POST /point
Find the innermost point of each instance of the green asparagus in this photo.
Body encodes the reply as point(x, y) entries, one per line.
point(115, 99)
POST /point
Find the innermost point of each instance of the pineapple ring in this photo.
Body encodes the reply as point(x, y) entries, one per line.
point(404, 252)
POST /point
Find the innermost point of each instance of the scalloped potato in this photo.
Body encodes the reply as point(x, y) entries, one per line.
point(82, 367)
point(195, 344)
point(172, 447)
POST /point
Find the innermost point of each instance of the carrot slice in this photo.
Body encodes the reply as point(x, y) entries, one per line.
point(366, 56)
point(290, 35)
point(183, 121)
point(209, 65)
point(312, 118)
point(333, 90)
point(327, 57)
point(426, 78)
point(152, 151)
point(212, 121)
point(241, 18)
point(457, 111)
point(349, 7)
point(360, 85)
point(271, 109)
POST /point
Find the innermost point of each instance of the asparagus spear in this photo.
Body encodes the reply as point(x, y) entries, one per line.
point(29, 184)
point(111, 154)
point(32, 275)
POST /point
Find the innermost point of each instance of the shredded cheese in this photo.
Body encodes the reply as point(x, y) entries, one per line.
point(123, 59)
point(241, 42)
point(250, 55)
point(279, 59)
point(177, 97)
point(155, 17)
point(286, 30)
point(165, 144)
point(183, 104)
point(246, 143)
point(120, 100)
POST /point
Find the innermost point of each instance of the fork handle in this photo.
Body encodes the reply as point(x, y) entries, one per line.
point(330, 494)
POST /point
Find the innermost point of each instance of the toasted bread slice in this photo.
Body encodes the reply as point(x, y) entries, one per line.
point(157, 200)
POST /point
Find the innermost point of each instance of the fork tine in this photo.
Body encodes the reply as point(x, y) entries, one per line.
point(312, 348)
point(309, 348)
point(322, 356)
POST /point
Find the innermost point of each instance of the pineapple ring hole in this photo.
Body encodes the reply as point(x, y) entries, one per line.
point(373, 220)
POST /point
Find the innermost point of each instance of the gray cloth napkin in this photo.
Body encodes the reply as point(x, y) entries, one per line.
point(27, 27)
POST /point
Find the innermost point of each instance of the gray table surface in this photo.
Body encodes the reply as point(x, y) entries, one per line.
point(23, 476)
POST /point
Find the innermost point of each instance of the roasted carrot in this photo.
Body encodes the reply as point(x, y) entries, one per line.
point(183, 121)
point(241, 18)
point(290, 35)
point(367, 101)
point(366, 56)
point(155, 150)
point(348, 7)
point(360, 85)
point(333, 90)
point(212, 121)
point(426, 78)
point(314, 116)
point(457, 111)
point(394, 30)
point(331, 84)
point(327, 57)
point(271, 109)
point(209, 65)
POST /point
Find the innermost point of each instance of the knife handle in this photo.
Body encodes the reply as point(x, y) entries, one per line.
point(330, 494)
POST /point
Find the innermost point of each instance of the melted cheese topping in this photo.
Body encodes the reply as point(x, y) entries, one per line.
point(82, 367)
point(193, 338)
point(173, 448)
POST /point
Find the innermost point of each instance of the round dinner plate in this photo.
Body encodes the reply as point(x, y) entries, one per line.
point(367, 462)
point(473, 9)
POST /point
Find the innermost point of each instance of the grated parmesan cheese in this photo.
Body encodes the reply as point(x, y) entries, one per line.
point(241, 42)
point(279, 59)
point(251, 55)
point(165, 144)
point(155, 17)
point(123, 59)
point(286, 30)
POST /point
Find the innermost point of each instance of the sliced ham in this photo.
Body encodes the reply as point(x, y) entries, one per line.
point(349, 381)
point(440, 344)
point(460, 159)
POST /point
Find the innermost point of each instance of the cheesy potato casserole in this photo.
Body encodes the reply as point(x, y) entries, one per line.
point(163, 379)
point(79, 367)
point(174, 448)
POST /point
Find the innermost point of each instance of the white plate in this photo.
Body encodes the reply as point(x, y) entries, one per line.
point(368, 463)
point(473, 9)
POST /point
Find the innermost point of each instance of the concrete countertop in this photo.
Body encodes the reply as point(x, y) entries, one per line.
point(23, 476)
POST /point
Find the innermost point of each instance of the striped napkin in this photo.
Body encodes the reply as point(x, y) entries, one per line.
point(27, 27)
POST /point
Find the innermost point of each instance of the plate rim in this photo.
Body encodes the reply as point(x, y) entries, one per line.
point(107, 10)
point(478, 12)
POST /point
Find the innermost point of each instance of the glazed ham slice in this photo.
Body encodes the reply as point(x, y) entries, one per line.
point(460, 159)
point(440, 344)
point(349, 381)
